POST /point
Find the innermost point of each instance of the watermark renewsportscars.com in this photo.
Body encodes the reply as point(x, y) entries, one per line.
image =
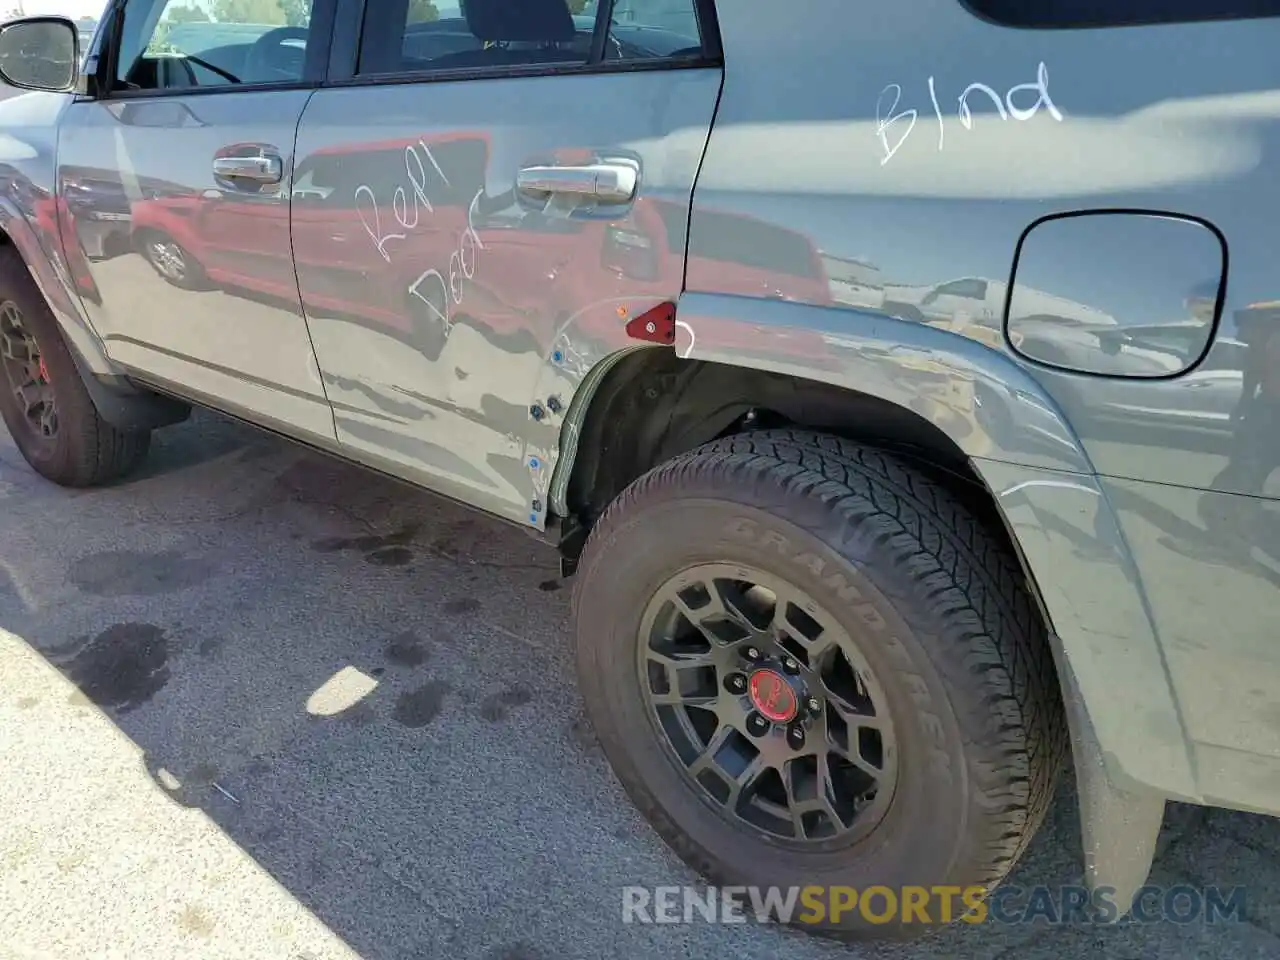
point(1006, 904)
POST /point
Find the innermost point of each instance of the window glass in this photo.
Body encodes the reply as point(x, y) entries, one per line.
point(478, 34)
point(181, 44)
point(648, 29)
point(1117, 13)
point(481, 34)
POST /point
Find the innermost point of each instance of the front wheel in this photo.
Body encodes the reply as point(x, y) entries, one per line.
point(811, 667)
point(44, 402)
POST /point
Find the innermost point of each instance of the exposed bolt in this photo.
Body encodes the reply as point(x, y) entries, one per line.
point(751, 653)
point(650, 327)
point(795, 736)
point(814, 705)
point(757, 725)
point(553, 404)
point(735, 683)
point(789, 665)
point(651, 394)
point(536, 505)
point(536, 412)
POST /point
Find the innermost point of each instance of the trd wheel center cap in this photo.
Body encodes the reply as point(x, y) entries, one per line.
point(773, 696)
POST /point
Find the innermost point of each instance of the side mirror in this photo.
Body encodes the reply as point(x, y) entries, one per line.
point(40, 53)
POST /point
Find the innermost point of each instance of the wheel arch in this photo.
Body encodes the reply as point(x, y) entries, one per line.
point(118, 401)
point(905, 385)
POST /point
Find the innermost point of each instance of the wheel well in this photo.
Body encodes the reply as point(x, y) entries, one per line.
point(653, 406)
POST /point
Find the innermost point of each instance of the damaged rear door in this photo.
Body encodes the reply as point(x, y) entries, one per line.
point(493, 185)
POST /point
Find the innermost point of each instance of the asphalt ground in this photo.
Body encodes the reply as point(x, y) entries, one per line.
point(258, 703)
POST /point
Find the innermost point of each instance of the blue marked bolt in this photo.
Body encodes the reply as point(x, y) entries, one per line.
point(557, 356)
point(534, 463)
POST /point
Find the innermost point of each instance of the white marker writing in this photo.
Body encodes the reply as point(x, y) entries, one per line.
point(883, 123)
point(1041, 87)
point(416, 171)
point(1005, 107)
point(374, 229)
point(933, 95)
point(966, 118)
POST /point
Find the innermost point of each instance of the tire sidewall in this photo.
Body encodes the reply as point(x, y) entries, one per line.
point(920, 841)
point(44, 454)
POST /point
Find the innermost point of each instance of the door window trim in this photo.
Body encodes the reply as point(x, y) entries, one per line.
point(344, 71)
point(315, 68)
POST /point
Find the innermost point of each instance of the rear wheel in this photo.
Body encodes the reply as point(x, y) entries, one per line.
point(43, 401)
point(811, 666)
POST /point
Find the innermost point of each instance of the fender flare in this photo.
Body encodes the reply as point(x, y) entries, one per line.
point(117, 400)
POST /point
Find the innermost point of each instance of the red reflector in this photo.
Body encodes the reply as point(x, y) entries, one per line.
point(654, 326)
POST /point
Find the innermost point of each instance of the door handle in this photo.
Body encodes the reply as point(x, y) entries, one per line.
point(614, 182)
point(258, 169)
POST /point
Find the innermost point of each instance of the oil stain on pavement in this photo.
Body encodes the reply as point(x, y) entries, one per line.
point(418, 707)
point(122, 667)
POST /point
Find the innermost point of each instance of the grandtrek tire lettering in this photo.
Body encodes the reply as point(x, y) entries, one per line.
point(878, 556)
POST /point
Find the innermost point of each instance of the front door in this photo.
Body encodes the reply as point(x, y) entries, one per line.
point(476, 218)
point(177, 179)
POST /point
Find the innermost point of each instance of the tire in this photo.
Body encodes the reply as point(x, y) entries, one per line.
point(940, 616)
point(75, 447)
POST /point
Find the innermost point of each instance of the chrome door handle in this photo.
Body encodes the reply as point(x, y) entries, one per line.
point(268, 169)
point(614, 182)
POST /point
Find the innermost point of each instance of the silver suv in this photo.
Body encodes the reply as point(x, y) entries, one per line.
point(901, 384)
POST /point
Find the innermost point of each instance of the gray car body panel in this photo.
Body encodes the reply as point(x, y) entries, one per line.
point(1173, 119)
point(453, 317)
point(28, 149)
point(241, 336)
point(860, 194)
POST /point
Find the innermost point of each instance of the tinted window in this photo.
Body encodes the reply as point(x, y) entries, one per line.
point(1115, 13)
point(645, 29)
point(473, 35)
point(442, 35)
point(180, 44)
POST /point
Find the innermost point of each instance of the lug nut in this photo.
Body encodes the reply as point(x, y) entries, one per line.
point(735, 683)
point(790, 665)
point(757, 725)
point(795, 736)
point(751, 653)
